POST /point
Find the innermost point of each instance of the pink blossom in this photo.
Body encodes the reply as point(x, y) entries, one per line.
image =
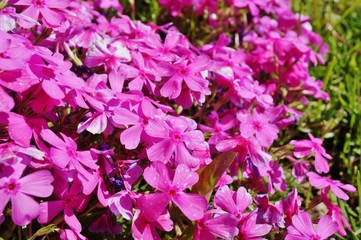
point(17, 189)
point(188, 72)
point(145, 228)
point(107, 52)
point(250, 229)
point(64, 153)
point(336, 186)
point(302, 227)
point(158, 176)
point(51, 11)
point(306, 147)
point(223, 226)
point(176, 136)
point(69, 199)
point(217, 127)
point(233, 202)
point(258, 125)
point(335, 213)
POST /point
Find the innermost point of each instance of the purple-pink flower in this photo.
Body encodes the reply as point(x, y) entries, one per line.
point(159, 176)
point(18, 190)
point(302, 228)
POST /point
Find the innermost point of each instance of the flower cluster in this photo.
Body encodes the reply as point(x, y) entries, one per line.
point(110, 125)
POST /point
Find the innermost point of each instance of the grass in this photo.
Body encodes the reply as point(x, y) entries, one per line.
point(338, 121)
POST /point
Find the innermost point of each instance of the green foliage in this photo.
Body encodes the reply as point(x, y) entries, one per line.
point(338, 121)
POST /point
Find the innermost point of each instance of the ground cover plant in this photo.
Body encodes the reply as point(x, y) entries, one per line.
point(178, 120)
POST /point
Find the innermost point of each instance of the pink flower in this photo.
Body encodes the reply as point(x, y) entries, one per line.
point(250, 229)
point(176, 136)
point(158, 176)
point(17, 189)
point(70, 198)
point(64, 153)
point(336, 186)
point(306, 147)
point(50, 10)
point(258, 125)
point(218, 128)
point(220, 225)
point(302, 228)
point(245, 147)
point(144, 228)
point(335, 213)
point(109, 52)
point(188, 72)
point(231, 201)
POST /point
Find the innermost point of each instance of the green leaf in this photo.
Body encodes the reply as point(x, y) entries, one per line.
point(210, 174)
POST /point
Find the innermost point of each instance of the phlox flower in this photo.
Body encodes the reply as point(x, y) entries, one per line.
point(232, 202)
point(290, 206)
point(190, 73)
point(64, 154)
point(174, 135)
point(335, 213)
point(335, 185)
point(17, 189)
point(245, 147)
point(302, 228)
point(250, 229)
point(70, 198)
point(51, 11)
point(145, 228)
point(214, 225)
point(107, 52)
point(21, 129)
point(218, 127)
point(259, 126)
point(303, 148)
point(159, 176)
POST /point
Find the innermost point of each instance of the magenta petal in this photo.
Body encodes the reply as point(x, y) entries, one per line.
point(184, 177)
point(125, 117)
point(24, 209)
point(121, 204)
point(4, 199)
point(191, 205)
point(131, 137)
point(321, 164)
point(37, 183)
point(224, 200)
point(87, 159)
point(71, 220)
point(7, 103)
point(182, 155)
point(52, 138)
point(19, 130)
point(59, 157)
point(157, 175)
point(98, 124)
point(153, 205)
point(244, 199)
point(51, 17)
point(326, 227)
point(52, 89)
point(164, 222)
point(172, 88)
point(161, 151)
point(338, 192)
point(49, 210)
point(302, 222)
point(224, 226)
